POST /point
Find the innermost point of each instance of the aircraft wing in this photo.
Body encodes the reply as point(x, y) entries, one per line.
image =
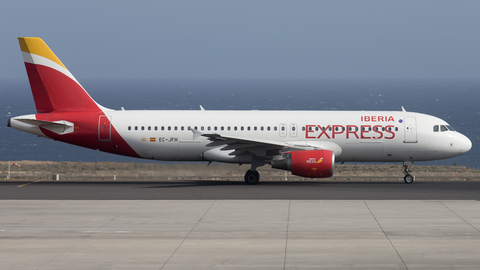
point(264, 149)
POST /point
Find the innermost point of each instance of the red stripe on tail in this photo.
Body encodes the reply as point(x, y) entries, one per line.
point(54, 91)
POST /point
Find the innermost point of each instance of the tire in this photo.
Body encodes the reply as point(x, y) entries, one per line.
point(252, 177)
point(408, 179)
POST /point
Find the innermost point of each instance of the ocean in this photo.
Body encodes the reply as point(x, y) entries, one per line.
point(455, 101)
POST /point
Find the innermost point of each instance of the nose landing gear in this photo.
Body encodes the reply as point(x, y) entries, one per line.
point(406, 170)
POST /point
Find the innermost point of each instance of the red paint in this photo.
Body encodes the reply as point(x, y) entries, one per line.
point(354, 131)
point(391, 132)
point(312, 164)
point(363, 130)
point(323, 131)
point(58, 97)
point(53, 91)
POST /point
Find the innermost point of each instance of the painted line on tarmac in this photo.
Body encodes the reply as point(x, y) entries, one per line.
point(30, 183)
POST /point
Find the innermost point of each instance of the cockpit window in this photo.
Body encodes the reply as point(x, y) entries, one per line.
point(443, 128)
point(435, 128)
point(450, 128)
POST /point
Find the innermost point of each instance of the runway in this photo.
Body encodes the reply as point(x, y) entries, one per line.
point(237, 190)
point(224, 225)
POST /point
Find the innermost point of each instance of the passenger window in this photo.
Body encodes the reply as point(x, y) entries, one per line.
point(208, 128)
point(136, 128)
point(255, 128)
point(316, 128)
point(149, 128)
point(201, 128)
point(156, 128)
point(248, 128)
point(169, 128)
point(182, 128)
point(443, 128)
point(241, 128)
point(228, 128)
point(293, 128)
point(275, 128)
point(175, 127)
point(129, 128)
point(221, 128)
point(143, 128)
point(215, 128)
point(283, 128)
point(235, 128)
point(396, 128)
point(303, 128)
point(268, 128)
point(330, 129)
point(261, 128)
point(163, 128)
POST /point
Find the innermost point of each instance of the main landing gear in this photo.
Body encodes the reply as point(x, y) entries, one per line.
point(406, 170)
point(252, 177)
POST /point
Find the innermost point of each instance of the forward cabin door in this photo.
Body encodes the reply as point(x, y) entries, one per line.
point(104, 128)
point(410, 130)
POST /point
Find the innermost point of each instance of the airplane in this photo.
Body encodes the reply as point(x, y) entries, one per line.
point(306, 143)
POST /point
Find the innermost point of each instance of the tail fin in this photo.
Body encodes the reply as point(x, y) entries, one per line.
point(53, 87)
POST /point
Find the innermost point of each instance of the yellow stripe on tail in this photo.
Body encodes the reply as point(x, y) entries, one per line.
point(35, 45)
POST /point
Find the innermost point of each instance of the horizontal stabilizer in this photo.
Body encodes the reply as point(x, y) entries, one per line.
point(59, 127)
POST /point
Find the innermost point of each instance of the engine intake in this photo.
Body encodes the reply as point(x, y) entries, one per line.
point(312, 163)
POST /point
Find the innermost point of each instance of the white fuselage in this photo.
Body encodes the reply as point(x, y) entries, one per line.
point(364, 136)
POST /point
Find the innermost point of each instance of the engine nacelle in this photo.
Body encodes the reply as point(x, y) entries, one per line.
point(311, 163)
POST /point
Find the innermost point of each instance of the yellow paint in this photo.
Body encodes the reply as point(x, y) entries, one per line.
point(35, 45)
point(30, 183)
point(320, 160)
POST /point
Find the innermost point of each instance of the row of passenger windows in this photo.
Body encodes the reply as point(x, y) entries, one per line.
point(442, 128)
point(349, 128)
point(204, 128)
point(316, 128)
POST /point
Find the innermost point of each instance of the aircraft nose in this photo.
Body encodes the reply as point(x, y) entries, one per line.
point(464, 144)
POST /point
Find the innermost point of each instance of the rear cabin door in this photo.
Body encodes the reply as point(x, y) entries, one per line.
point(104, 128)
point(410, 130)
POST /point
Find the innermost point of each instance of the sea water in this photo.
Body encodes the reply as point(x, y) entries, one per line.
point(455, 101)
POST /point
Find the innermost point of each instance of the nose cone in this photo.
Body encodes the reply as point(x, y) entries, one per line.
point(464, 144)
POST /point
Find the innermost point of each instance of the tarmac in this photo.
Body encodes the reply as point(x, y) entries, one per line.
point(239, 234)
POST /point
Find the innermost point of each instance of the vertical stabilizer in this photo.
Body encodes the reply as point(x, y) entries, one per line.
point(53, 87)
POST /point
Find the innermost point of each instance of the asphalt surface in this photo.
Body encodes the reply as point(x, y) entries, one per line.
point(237, 190)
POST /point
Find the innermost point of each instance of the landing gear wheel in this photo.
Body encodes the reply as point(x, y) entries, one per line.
point(406, 170)
point(408, 179)
point(252, 177)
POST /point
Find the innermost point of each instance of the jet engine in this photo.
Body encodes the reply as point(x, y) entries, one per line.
point(311, 163)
